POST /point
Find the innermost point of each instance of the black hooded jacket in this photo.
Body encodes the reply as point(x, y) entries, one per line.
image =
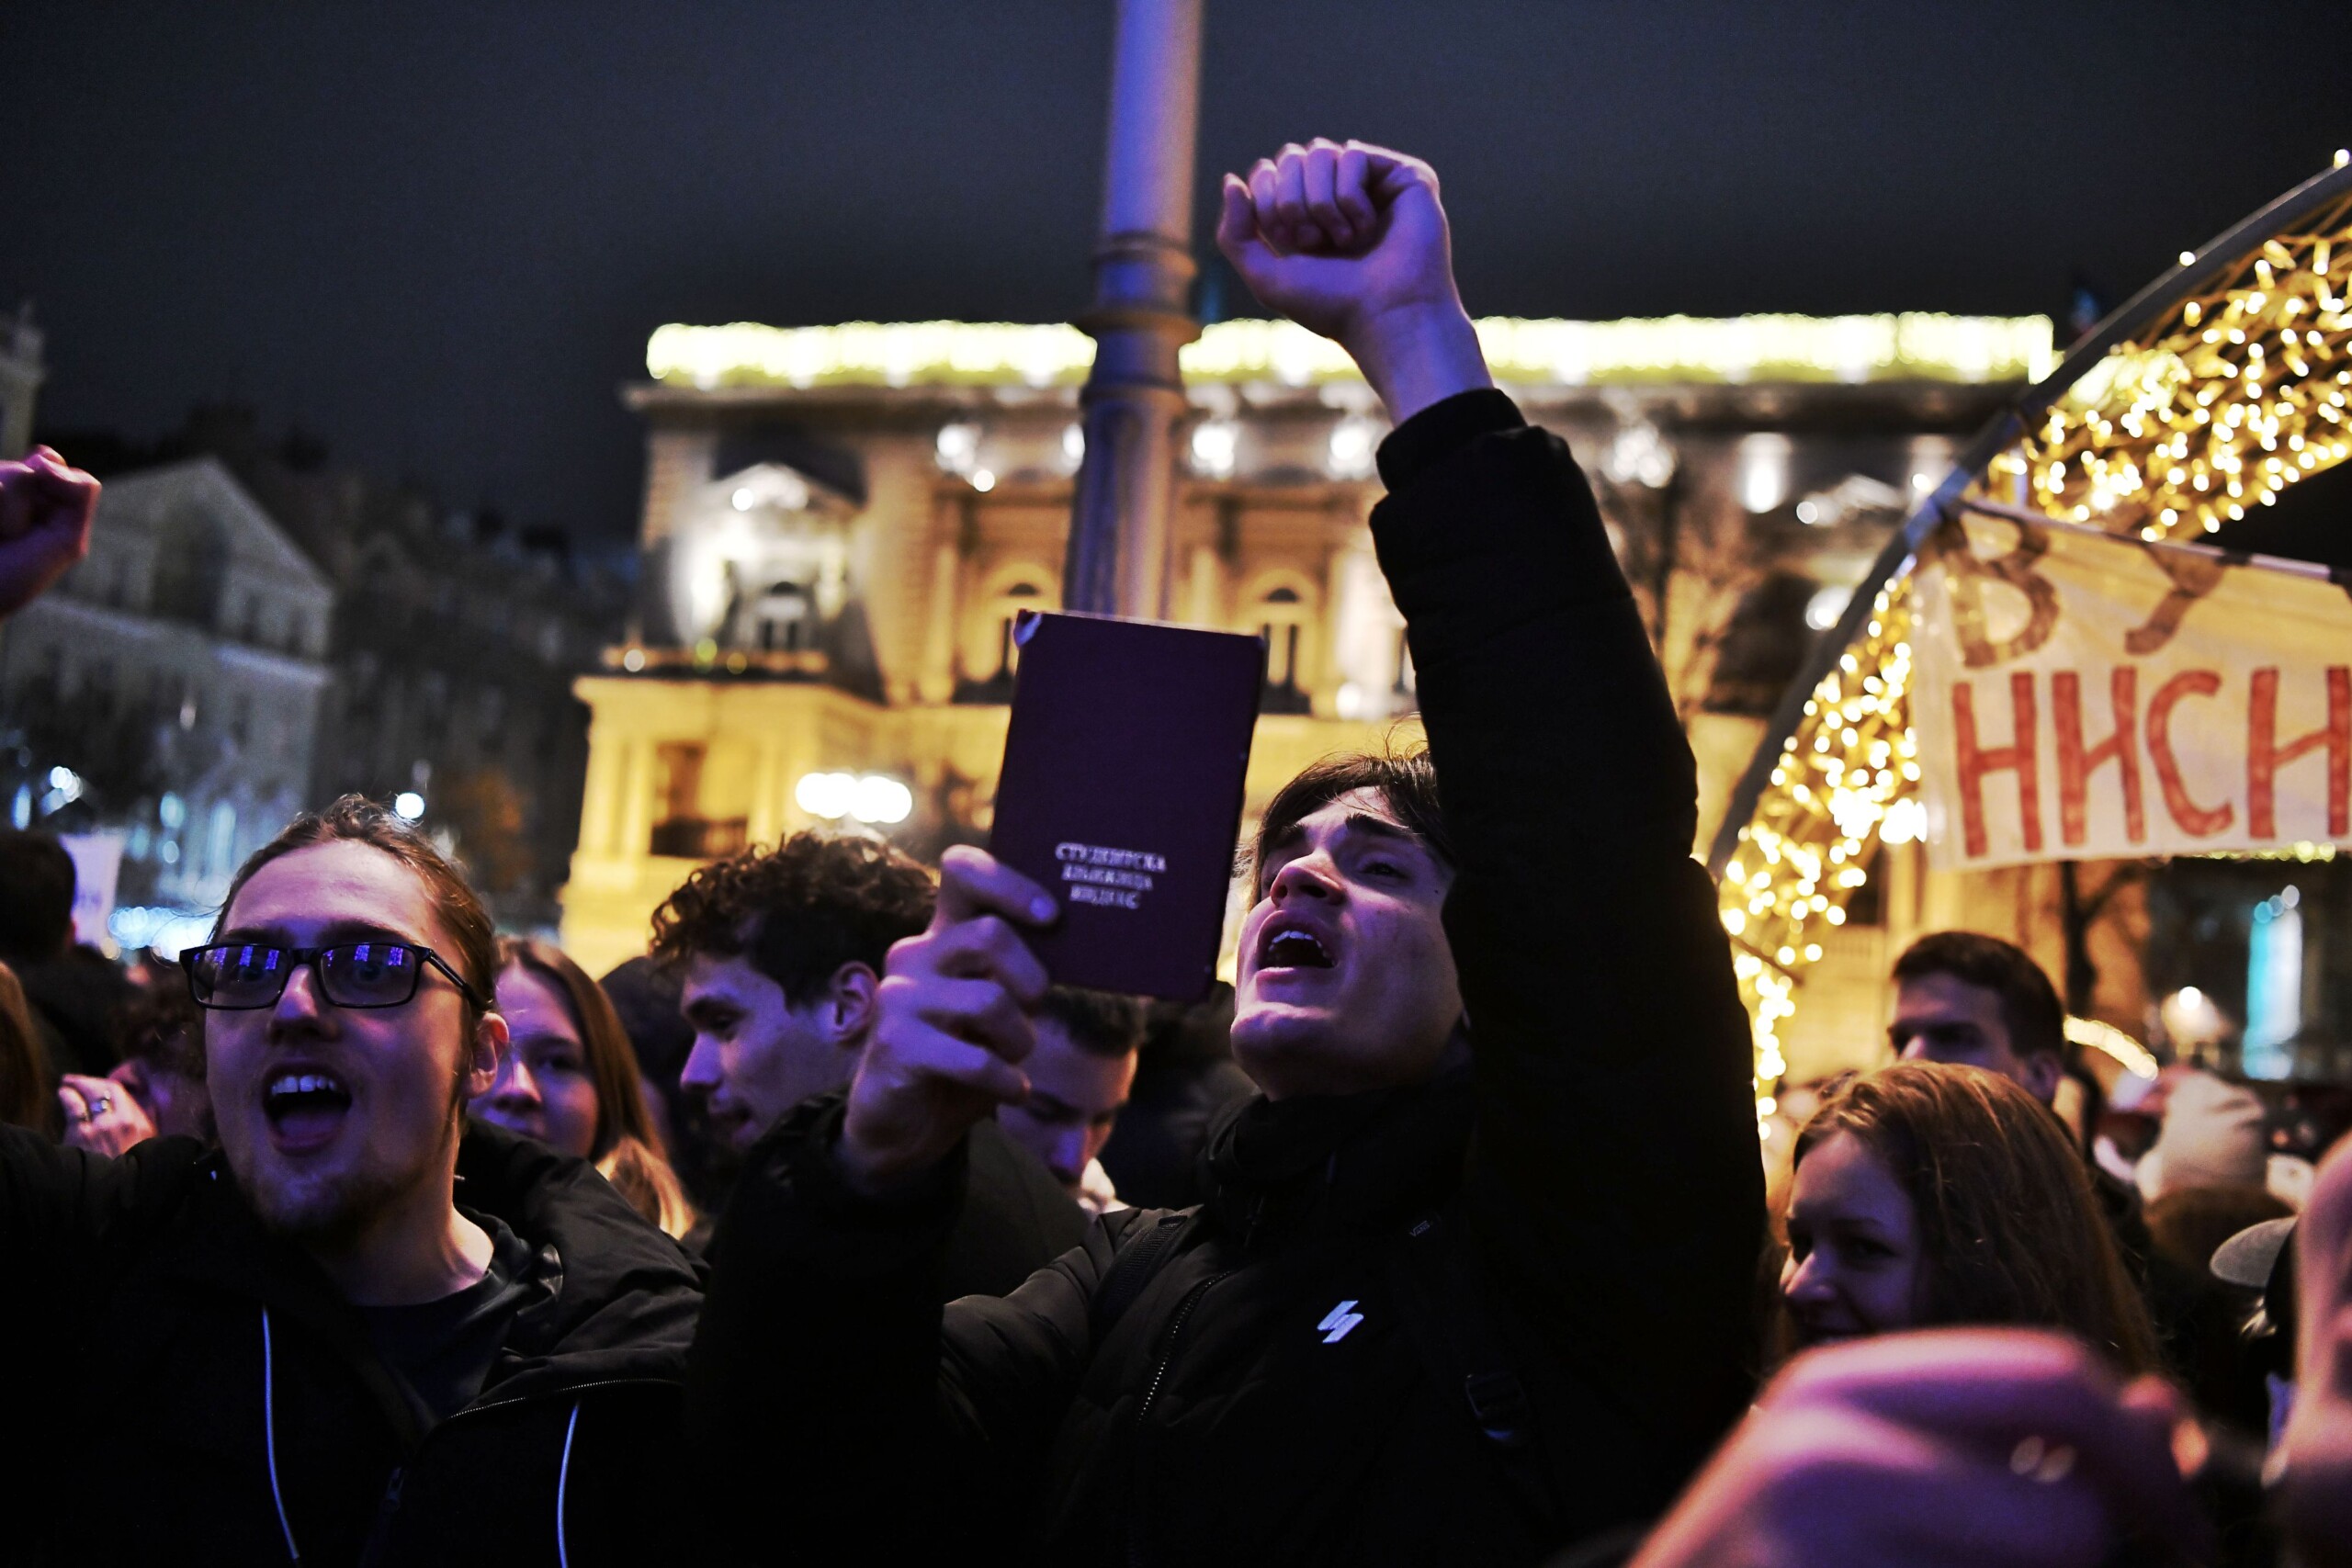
point(206, 1396)
point(1270, 1395)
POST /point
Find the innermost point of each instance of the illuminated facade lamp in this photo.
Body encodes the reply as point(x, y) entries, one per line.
point(1215, 447)
point(959, 447)
point(1763, 471)
point(874, 798)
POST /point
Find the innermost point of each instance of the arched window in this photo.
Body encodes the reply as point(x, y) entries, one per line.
point(1282, 614)
point(191, 566)
point(1012, 602)
point(781, 617)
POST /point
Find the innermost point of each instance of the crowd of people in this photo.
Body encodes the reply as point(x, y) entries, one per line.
point(833, 1229)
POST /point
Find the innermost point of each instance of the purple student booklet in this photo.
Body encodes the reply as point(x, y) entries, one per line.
point(1121, 793)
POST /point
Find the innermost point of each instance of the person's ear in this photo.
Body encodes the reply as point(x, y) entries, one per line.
point(849, 1005)
point(2042, 1072)
point(488, 1048)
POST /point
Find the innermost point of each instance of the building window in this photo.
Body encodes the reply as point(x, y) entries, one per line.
point(682, 831)
point(990, 659)
point(1281, 621)
point(780, 618)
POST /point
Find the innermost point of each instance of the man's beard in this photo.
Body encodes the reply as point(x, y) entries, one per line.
point(328, 1211)
point(331, 1210)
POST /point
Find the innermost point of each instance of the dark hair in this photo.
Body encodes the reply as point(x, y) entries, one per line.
point(162, 1026)
point(1406, 780)
point(355, 818)
point(36, 895)
point(1101, 1023)
point(2030, 1004)
point(2010, 1229)
point(627, 1145)
point(800, 911)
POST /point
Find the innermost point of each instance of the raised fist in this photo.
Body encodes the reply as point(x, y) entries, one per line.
point(1350, 242)
point(46, 507)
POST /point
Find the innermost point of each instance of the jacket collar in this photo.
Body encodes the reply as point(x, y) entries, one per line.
point(612, 1298)
point(1340, 1162)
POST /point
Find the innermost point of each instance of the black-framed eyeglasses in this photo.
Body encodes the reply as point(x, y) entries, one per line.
point(234, 976)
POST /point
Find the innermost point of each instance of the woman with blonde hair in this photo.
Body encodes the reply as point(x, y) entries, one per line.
point(1931, 1196)
point(24, 1076)
point(569, 1079)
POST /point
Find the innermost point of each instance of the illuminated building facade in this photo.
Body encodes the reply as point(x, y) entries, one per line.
point(840, 524)
point(168, 688)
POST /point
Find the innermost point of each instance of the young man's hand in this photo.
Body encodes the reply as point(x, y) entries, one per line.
point(1955, 1445)
point(1350, 242)
point(102, 1115)
point(46, 506)
point(951, 1025)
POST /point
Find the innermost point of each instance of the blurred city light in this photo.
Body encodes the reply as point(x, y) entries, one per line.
point(408, 805)
point(871, 797)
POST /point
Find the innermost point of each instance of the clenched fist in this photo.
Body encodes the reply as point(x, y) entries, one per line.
point(1350, 241)
point(46, 506)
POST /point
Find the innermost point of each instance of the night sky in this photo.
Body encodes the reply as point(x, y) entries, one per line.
point(436, 235)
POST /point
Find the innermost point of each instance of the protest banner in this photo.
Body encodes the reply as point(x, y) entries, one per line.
point(2082, 695)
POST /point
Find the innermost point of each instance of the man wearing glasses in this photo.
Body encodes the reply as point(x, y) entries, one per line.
point(358, 1329)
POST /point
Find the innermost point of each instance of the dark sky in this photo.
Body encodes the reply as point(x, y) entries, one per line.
point(437, 234)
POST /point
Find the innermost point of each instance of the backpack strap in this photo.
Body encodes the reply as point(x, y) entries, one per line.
point(1447, 1313)
point(1137, 1264)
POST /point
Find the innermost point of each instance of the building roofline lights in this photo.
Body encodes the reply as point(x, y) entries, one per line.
point(1911, 346)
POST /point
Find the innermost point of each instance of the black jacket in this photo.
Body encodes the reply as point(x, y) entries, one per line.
point(194, 1375)
point(1595, 1164)
point(1018, 1218)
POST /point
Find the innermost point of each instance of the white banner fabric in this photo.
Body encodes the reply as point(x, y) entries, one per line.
point(2078, 695)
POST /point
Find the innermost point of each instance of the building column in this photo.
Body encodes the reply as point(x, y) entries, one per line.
point(937, 682)
point(635, 814)
point(600, 796)
point(1205, 592)
point(766, 825)
point(1325, 648)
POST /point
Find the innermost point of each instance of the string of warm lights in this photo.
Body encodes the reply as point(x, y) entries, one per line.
point(2243, 394)
point(1917, 346)
point(2214, 408)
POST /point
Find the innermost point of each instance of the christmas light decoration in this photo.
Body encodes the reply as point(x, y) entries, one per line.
point(2193, 404)
point(1914, 346)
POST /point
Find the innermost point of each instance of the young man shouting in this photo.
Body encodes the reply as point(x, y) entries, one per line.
point(1473, 1279)
point(359, 1329)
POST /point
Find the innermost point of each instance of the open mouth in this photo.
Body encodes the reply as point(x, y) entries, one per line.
point(305, 1106)
point(1291, 948)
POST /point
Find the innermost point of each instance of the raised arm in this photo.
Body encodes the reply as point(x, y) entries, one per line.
point(1616, 1185)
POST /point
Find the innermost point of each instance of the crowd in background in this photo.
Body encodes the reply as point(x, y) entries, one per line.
point(831, 1226)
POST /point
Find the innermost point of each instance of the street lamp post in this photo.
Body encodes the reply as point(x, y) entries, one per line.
point(1119, 530)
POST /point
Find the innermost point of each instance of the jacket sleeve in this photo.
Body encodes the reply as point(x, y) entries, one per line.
point(825, 1366)
point(1615, 1189)
point(70, 1221)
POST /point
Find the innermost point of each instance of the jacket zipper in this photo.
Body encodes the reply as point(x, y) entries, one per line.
point(387, 1505)
point(1159, 1375)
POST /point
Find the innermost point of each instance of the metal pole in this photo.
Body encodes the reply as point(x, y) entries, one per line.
point(1119, 526)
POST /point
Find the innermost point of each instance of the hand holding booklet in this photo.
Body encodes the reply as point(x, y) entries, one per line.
point(1121, 793)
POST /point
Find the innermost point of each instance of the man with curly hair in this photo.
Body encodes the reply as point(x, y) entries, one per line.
point(779, 955)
